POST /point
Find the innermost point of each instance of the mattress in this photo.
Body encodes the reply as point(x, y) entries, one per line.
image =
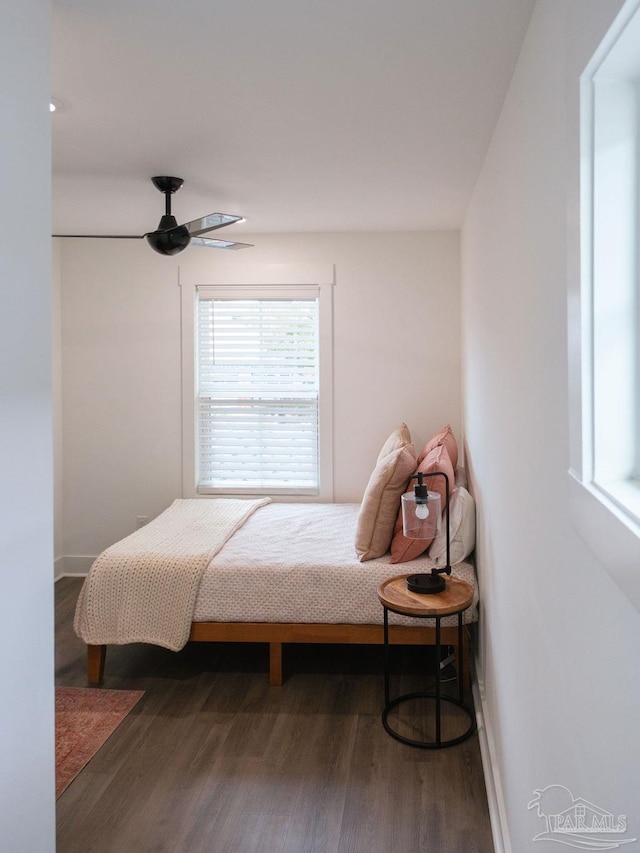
point(297, 563)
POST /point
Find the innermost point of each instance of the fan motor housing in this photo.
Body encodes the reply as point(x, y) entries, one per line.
point(169, 242)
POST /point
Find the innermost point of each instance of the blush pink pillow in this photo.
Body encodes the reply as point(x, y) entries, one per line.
point(446, 437)
point(403, 549)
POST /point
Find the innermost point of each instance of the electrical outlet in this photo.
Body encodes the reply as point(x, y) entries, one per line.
point(141, 520)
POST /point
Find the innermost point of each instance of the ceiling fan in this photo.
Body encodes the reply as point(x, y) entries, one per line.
point(169, 238)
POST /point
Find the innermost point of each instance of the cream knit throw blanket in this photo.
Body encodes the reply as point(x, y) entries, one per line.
point(143, 589)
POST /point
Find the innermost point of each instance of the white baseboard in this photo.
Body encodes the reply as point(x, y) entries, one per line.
point(58, 568)
point(72, 566)
point(495, 796)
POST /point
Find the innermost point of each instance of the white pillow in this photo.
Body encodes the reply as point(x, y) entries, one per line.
point(461, 476)
point(462, 522)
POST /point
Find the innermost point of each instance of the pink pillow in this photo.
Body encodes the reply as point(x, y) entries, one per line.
point(381, 500)
point(402, 548)
point(446, 437)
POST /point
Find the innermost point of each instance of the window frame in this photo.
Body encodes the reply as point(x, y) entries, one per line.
point(605, 514)
point(268, 280)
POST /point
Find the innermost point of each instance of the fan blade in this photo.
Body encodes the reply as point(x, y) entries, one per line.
point(219, 244)
point(210, 223)
point(104, 236)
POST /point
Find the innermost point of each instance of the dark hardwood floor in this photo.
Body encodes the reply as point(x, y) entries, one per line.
point(213, 760)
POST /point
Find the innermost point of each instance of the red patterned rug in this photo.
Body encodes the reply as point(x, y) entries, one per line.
point(85, 717)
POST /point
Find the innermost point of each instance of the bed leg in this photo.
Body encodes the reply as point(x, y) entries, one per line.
point(96, 656)
point(275, 664)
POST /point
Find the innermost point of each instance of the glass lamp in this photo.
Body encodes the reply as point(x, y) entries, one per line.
point(421, 519)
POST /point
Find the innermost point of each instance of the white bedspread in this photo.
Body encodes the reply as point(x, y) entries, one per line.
point(143, 588)
point(297, 563)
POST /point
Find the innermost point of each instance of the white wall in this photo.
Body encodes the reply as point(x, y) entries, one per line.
point(559, 648)
point(397, 357)
point(27, 820)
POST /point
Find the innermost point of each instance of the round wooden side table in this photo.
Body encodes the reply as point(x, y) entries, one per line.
point(454, 600)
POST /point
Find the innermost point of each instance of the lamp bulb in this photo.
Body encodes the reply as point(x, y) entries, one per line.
point(422, 511)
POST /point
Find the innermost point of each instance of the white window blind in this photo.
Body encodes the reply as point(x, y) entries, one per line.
point(257, 382)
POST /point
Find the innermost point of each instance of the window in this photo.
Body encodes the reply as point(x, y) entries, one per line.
point(258, 380)
point(615, 373)
point(604, 304)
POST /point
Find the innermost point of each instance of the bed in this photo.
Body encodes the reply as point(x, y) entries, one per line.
point(290, 574)
point(233, 570)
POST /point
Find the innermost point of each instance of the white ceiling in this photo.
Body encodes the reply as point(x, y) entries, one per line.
point(302, 115)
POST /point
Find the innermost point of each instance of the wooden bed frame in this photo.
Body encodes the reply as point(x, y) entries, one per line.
point(279, 633)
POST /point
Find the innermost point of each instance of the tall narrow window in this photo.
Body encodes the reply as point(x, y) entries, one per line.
point(604, 303)
point(613, 383)
point(257, 392)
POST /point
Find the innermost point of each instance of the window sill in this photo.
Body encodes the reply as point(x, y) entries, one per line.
point(255, 492)
point(625, 495)
point(610, 532)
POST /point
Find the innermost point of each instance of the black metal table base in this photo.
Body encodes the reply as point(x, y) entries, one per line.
point(390, 704)
point(422, 744)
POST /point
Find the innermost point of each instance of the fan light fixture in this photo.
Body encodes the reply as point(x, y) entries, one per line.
point(169, 238)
